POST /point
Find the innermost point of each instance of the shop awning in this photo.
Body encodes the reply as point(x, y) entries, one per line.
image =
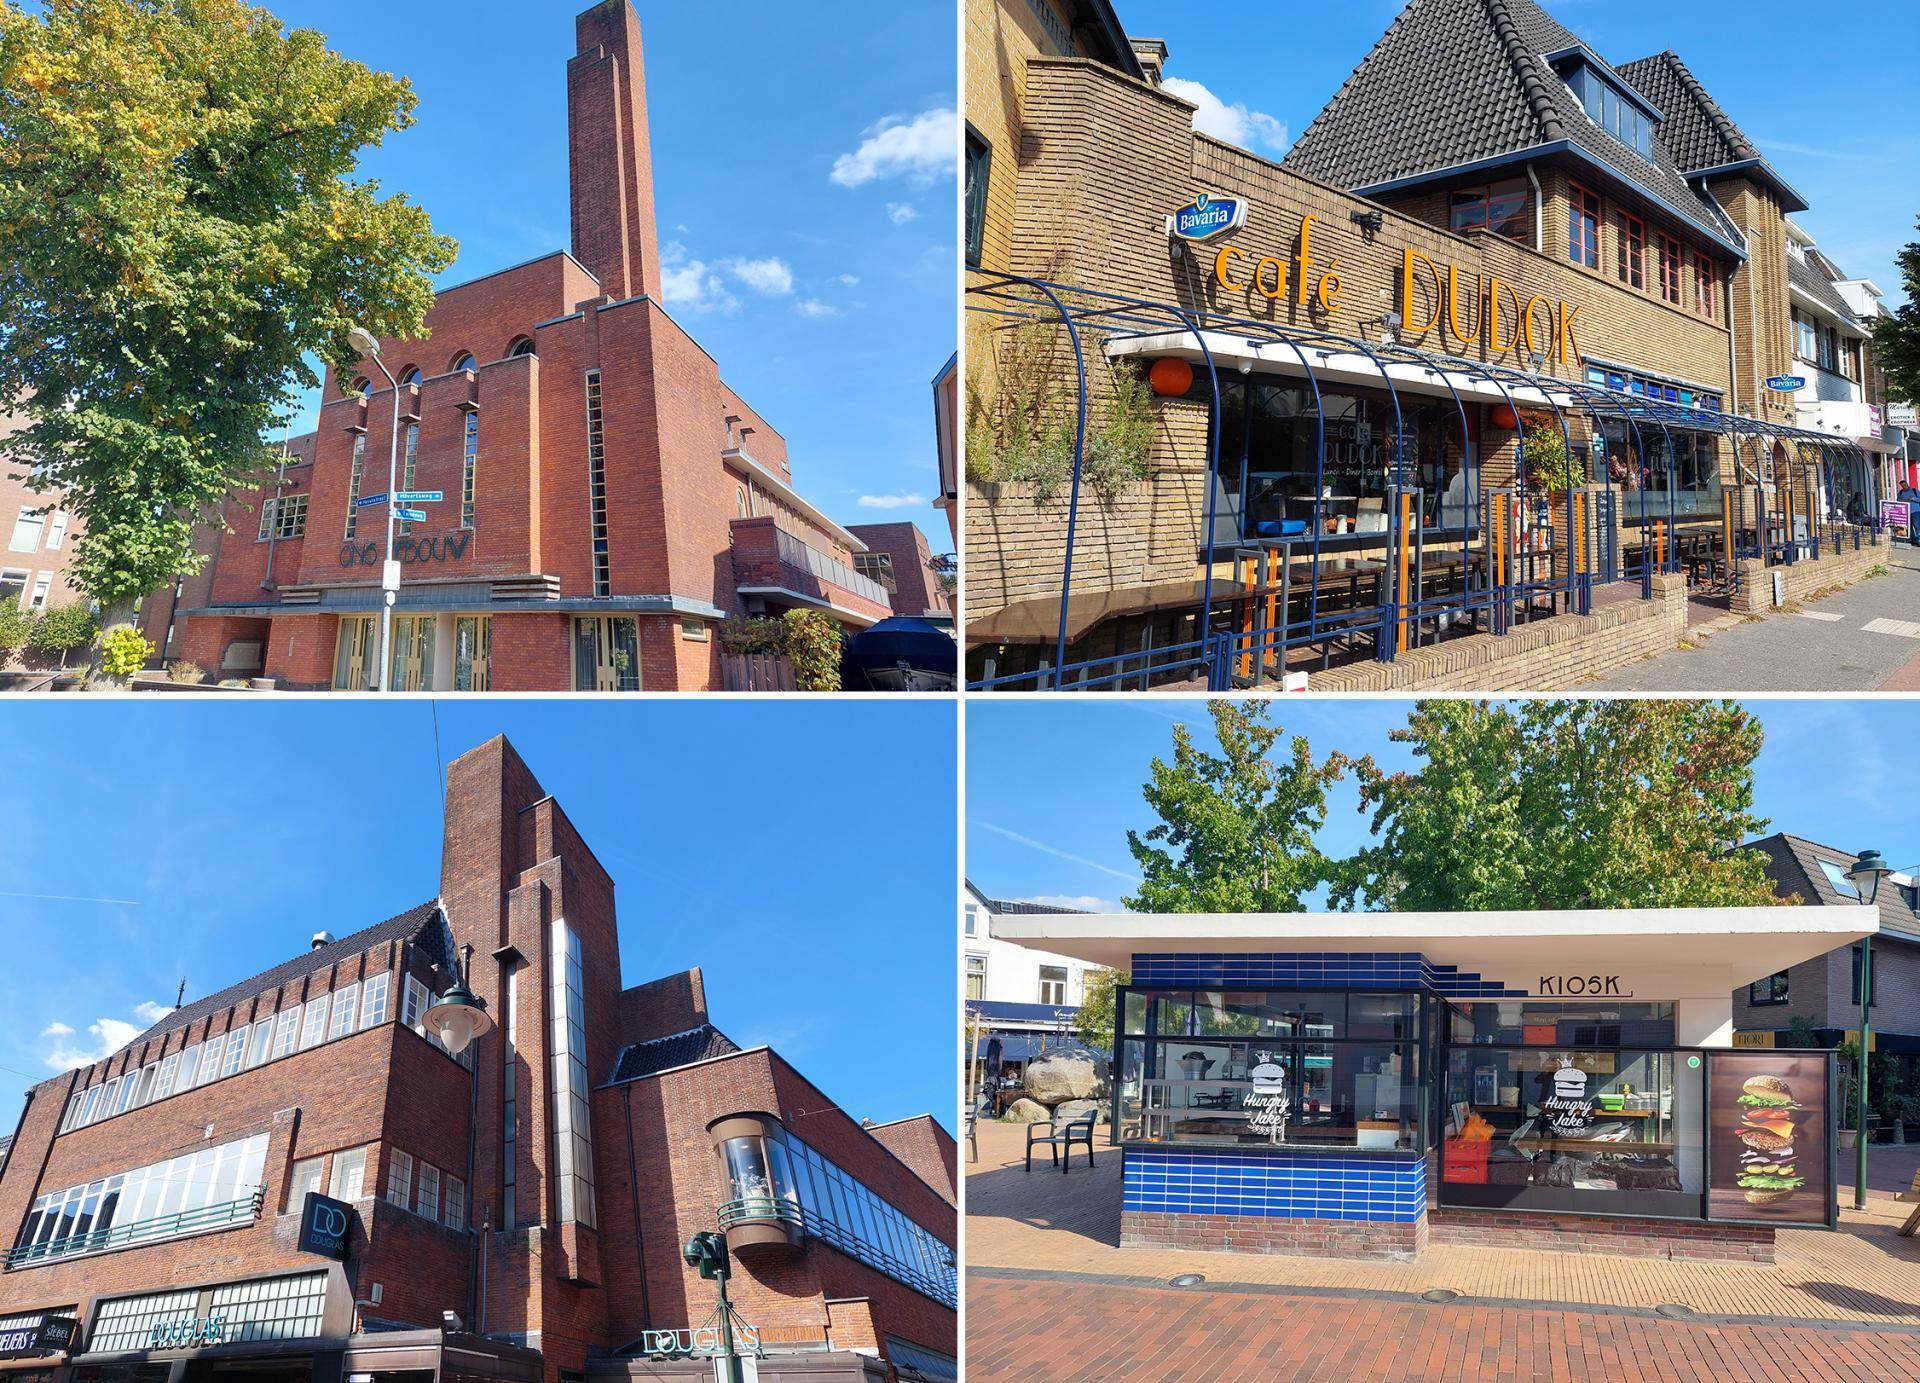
point(1651, 952)
point(1876, 446)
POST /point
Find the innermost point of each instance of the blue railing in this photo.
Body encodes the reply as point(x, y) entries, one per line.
point(181, 1222)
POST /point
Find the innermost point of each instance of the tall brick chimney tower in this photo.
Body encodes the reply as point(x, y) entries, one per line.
point(611, 156)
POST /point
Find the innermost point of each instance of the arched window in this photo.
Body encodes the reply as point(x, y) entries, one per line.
point(463, 362)
point(411, 375)
point(522, 345)
point(740, 502)
point(361, 386)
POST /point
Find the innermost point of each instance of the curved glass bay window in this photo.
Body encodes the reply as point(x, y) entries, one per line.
point(761, 1208)
point(1269, 470)
point(1270, 1068)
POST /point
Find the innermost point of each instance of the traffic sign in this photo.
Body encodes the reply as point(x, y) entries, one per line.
point(410, 515)
point(368, 501)
point(418, 497)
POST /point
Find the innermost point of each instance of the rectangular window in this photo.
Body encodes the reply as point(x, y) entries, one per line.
point(877, 566)
point(456, 1216)
point(510, 1098)
point(409, 463)
point(169, 1070)
point(1505, 208)
point(373, 1004)
point(976, 977)
point(597, 488)
point(427, 1201)
point(414, 1005)
point(1703, 295)
point(1583, 226)
point(1053, 984)
point(27, 529)
point(260, 1044)
point(42, 587)
point(189, 1067)
point(13, 586)
point(1873, 985)
point(211, 1054)
point(573, 1128)
point(57, 530)
point(74, 1107)
point(353, 483)
point(1670, 269)
point(400, 1179)
point(470, 462)
point(288, 1033)
point(979, 173)
point(124, 1100)
point(694, 630)
point(349, 1175)
point(236, 1056)
point(1771, 990)
point(1803, 344)
point(304, 1178)
point(148, 1075)
point(285, 517)
point(346, 1006)
point(1633, 250)
point(313, 1029)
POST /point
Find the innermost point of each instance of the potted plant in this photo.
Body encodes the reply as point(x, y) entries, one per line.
point(1848, 1052)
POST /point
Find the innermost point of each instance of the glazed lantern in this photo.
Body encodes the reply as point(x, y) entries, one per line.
point(1503, 417)
point(1170, 377)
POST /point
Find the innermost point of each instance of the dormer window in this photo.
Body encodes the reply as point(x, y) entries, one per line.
point(1621, 115)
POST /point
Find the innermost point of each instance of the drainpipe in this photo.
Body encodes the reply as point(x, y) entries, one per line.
point(633, 1182)
point(1539, 213)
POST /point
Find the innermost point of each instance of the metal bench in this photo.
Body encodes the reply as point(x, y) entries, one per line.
point(1059, 1137)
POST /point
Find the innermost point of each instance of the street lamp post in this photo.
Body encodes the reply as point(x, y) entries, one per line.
point(1866, 873)
point(367, 344)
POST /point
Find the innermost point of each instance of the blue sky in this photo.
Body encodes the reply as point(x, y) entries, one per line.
point(800, 852)
point(830, 304)
point(1825, 91)
point(1053, 788)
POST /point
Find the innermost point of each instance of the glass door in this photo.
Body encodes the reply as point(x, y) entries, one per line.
point(413, 637)
point(355, 661)
point(473, 653)
point(606, 653)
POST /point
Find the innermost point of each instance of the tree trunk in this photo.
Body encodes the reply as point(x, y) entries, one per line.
point(118, 612)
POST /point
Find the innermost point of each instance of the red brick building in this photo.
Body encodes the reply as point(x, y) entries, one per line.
point(516, 1212)
point(608, 499)
point(899, 558)
point(38, 534)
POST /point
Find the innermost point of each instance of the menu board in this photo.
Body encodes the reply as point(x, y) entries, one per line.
point(1768, 1158)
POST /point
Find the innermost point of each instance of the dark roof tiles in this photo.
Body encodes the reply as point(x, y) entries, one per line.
point(1793, 862)
point(1817, 286)
point(658, 1054)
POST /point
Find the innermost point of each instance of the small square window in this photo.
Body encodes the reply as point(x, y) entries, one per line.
point(693, 630)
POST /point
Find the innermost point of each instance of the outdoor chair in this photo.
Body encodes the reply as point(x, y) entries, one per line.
point(1059, 1137)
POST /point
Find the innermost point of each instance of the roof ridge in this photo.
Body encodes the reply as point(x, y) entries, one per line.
point(1533, 86)
point(1722, 122)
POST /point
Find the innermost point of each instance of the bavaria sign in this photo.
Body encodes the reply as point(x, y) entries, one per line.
point(1786, 384)
point(1207, 216)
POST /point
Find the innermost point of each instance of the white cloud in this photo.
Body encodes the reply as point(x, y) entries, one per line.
point(109, 1034)
point(891, 501)
point(150, 1012)
point(1235, 124)
point(769, 276)
point(850, 280)
point(921, 149)
point(813, 307)
point(902, 212)
point(56, 1030)
point(691, 283)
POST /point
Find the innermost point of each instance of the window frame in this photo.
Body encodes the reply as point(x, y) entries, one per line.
point(1586, 211)
point(28, 519)
point(1672, 265)
point(355, 1158)
point(1705, 295)
point(399, 1179)
point(313, 1021)
point(1775, 993)
point(426, 1192)
point(346, 1002)
point(975, 194)
point(375, 993)
point(1633, 250)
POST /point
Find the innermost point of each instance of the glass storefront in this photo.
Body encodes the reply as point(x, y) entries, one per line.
point(1278, 1068)
point(1685, 485)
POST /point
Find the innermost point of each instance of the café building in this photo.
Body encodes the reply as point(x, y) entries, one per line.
point(592, 500)
point(1492, 344)
point(334, 1172)
point(1365, 1084)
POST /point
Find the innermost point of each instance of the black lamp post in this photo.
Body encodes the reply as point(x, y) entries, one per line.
point(1866, 873)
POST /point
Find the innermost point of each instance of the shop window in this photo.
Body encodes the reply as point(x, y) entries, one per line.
point(606, 653)
point(1633, 250)
point(979, 168)
point(473, 653)
point(1771, 990)
point(349, 1175)
point(27, 529)
point(1873, 984)
point(1678, 468)
point(1505, 208)
point(399, 1179)
point(1703, 281)
point(1583, 226)
point(976, 978)
point(1670, 269)
point(304, 1178)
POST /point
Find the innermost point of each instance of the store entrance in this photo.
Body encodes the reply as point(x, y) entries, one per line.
point(250, 1371)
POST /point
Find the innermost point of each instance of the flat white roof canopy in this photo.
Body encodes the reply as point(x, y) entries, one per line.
point(1650, 953)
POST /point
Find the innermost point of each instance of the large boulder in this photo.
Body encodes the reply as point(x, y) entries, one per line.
point(1060, 1078)
point(1027, 1112)
point(1068, 1110)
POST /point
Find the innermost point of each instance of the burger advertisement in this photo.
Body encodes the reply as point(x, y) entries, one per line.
point(1769, 1138)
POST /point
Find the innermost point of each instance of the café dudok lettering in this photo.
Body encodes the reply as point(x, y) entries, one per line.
point(1469, 310)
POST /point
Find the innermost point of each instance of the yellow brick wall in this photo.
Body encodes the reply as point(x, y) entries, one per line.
point(1760, 296)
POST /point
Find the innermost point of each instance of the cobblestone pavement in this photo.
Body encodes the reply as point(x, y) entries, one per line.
point(1865, 638)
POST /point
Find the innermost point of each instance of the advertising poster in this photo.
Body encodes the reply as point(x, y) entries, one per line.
point(1767, 1142)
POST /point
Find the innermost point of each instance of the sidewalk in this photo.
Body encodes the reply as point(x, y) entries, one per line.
point(1051, 1295)
point(1865, 638)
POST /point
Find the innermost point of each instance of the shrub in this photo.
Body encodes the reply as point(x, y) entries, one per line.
point(124, 650)
point(187, 673)
point(15, 625)
point(1022, 410)
point(813, 647)
point(1545, 448)
point(754, 634)
point(63, 628)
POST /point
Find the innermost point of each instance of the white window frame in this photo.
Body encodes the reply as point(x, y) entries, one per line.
point(260, 1042)
point(426, 1195)
point(124, 1100)
point(28, 520)
point(212, 1052)
point(25, 578)
point(373, 1000)
point(399, 1189)
point(236, 1053)
point(169, 1068)
point(42, 588)
point(346, 1008)
point(356, 1160)
point(288, 1032)
point(189, 1067)
point(148, 1074)
point(296, 1193)
point(56, 529)
point(313, 1026)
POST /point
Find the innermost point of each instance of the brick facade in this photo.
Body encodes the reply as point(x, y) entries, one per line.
point(917, 589)
point(683, 457)
point(34, 574)
point(1272, 1234)
point(571, 1287)
point(1588, 1234)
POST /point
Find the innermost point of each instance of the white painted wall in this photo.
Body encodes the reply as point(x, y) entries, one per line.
point(1013, 971)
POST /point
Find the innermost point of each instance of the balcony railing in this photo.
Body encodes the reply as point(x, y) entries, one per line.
point(816, 563)
point(178, 1224)
point(758, 1210)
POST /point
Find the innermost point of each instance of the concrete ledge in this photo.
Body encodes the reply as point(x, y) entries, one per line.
point(1668, 1239)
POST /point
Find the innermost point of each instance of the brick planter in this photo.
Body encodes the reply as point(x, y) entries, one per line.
point(1839, 565)
point(1591, 1234)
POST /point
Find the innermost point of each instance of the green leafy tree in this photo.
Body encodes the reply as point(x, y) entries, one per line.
point(179, 227)
point(16, 626)
point(63, 628)
point(1896, 338)
point(1094, 1024)
point(1562, 804)
point(1237, 829)
point(124, 651)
